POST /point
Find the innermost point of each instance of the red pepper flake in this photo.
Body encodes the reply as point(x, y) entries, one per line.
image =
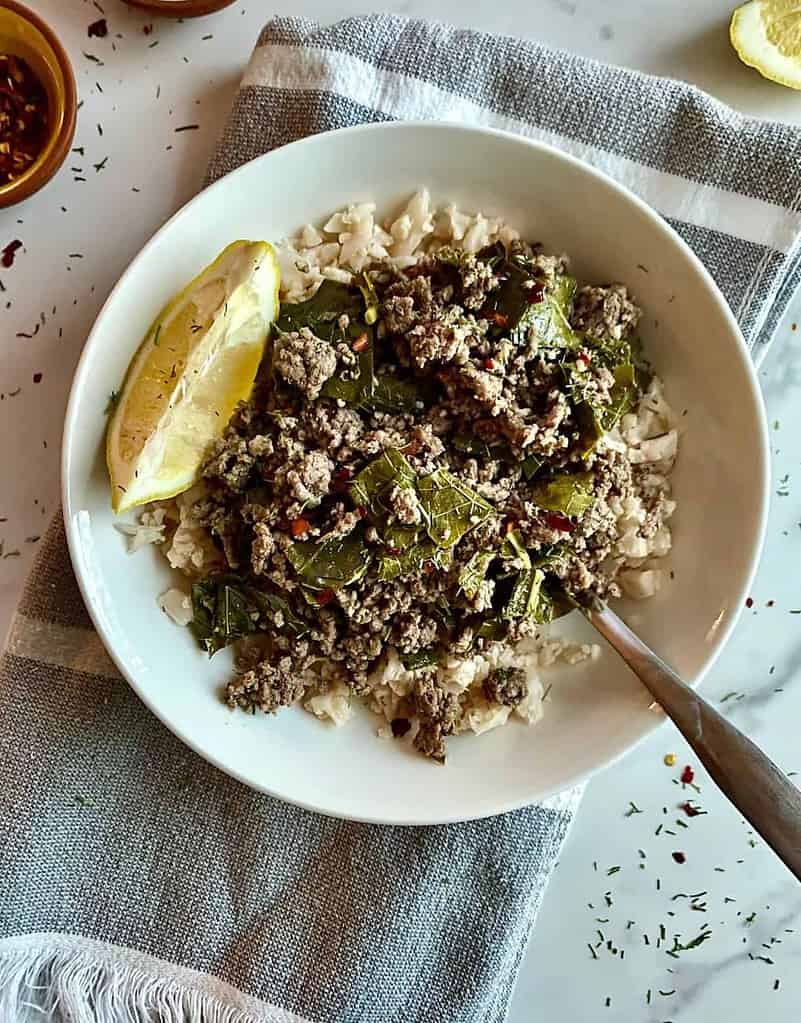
point(749, 602)
point(584, 358)
point(325, 596)
point(147, 29)
point(679, 857)
point(23, 117)
point(37, 378)
point(489, 364)
point(690, 810)
point(361, 511)
point(9, 252)
point(794, 326)
point(556, 520)
point(361, 343)
point(499, 319)
point(299, 527)
point(536, 294)
point(98, 29)
point(687, 775)
point(341, 479)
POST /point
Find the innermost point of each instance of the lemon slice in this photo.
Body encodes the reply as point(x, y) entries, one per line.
point(767, 36)
point(196, 363)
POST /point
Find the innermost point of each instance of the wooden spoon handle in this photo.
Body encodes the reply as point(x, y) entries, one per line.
point(762, 793)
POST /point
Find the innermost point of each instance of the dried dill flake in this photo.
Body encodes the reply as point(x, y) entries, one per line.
point(23, 117)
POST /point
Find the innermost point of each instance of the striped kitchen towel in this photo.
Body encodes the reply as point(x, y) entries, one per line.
point(729, 184)
point(138, 883)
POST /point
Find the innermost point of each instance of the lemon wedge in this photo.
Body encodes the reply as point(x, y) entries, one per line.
point(196, 363)
point(767, 36)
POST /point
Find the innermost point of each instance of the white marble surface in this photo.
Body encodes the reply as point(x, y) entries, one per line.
point(79, 235)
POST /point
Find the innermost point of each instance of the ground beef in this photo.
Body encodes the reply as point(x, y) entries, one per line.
point(478, 281)
point(507, 686)
point(304, 361)
point(605, 312)
point(414, 631)
point(230, 462)
point(437, 711)
point(407, 302)
point(262, 547)
point(267, 687)
point(405, 505)
point(310, 481)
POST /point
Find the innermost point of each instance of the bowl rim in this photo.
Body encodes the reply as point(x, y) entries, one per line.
point(181, 8)
point(41, 173)
point(762, 469)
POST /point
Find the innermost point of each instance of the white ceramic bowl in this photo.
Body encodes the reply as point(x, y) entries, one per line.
point(595, 712)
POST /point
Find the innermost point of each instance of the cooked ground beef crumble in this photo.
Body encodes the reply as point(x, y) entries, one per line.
point(425, 466)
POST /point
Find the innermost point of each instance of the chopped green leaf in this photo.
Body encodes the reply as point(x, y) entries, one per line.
point(531, 465)
point(516, 314)
point(598, 418)
point(421, 659)
point(370, 298)
point(568, 493)
point(491, 629)
point(226, 607)
point(413, 560)
point(525, 598)
point(550, 318)
point(390, 394)
point(513, 548)
point(321, 313)
point(372, 486)
point(332, 564)
point(221, 613)
point(292, 622)
point(475, 572)
point(471, 446)
point(450, 507)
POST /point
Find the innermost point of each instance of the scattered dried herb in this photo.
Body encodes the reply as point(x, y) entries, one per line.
point(98, 29)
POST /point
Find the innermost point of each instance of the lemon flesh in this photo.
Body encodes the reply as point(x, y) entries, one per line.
point(767, 36)
point(196, 363)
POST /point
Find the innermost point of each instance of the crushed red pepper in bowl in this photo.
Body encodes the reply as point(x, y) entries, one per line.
point(38, 102)
point(23, 117)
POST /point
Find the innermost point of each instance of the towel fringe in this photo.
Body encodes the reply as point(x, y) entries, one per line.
point(64, 979)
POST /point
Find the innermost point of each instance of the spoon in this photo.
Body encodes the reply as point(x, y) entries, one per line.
point(762, 793)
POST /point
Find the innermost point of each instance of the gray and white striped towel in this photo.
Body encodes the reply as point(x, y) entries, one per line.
point(136, 881)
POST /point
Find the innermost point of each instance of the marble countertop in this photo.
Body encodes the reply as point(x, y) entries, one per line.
point(618, 903)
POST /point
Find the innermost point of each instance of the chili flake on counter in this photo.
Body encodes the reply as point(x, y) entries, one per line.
point(23, 117)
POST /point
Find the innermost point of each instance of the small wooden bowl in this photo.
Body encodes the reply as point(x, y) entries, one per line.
point(24, 34)
point(180, 8)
